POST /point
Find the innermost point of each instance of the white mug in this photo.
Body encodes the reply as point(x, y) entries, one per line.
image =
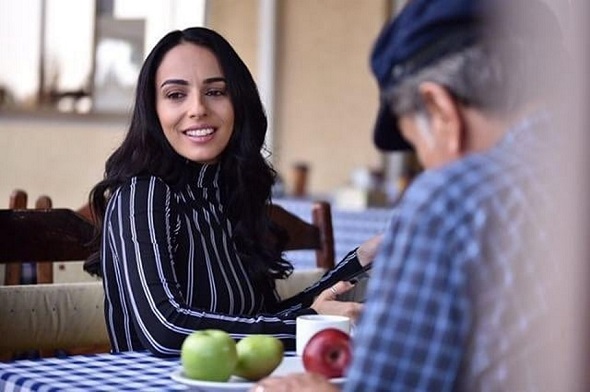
point(310, 324)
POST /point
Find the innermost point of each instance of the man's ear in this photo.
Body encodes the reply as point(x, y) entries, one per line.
point(445, 116)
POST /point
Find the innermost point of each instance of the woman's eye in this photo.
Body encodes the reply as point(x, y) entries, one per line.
point(215, 92)
point(174, 95)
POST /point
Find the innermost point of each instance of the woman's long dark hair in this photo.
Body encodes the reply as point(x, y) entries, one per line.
point(247, 177)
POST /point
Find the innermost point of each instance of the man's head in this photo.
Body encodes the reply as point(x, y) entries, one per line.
point(446, 65)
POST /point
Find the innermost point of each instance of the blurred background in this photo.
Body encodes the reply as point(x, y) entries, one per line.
point(68, 70)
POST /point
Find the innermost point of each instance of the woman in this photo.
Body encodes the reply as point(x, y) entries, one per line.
point(183, 205)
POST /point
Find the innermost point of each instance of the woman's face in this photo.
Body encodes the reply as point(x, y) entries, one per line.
point(193, 104)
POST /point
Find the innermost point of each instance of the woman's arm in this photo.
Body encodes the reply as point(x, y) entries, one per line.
point(348, 266)
point(353, 263)
point(141, 279)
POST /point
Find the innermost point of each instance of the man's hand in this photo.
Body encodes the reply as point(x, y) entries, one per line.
point(300, 382)
point(367, 251)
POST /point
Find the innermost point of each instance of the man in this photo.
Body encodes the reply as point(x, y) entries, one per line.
point(458, 298)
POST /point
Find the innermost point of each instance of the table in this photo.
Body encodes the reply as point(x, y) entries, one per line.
point(128, 371)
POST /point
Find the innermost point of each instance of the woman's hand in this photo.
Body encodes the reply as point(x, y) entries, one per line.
point(298, 382)
point(327, 302)
point(367, 251)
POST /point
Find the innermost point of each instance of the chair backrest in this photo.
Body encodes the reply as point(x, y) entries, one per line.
point(12, 272)
point(44, 269)
point(42, 235)
point(315, 235)
point(55, 316)
point(57, 234)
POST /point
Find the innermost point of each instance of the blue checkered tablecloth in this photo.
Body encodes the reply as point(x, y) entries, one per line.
point(130, 371)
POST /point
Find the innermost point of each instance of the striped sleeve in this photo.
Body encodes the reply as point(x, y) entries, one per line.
point(140, 280)
point(299, 303)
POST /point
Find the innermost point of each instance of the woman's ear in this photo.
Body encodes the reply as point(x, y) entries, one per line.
point(445, 117)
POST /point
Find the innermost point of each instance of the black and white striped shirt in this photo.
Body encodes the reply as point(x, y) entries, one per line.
point(170, 268)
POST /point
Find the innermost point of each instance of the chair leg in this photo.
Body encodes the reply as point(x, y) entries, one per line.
point(18, 200)
point(44, 268)
point(322, 218)
point(44, 272)
point(12, 274)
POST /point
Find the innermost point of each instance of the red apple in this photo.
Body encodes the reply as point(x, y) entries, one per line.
point(328, 353)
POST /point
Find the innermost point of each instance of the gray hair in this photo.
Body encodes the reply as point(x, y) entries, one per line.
point(473, 76)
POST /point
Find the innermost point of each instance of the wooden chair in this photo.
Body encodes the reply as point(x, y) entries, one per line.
point(44, 269)
point(43, 235)
point(57, 234)
point(47, 317)
point(315, 235)
point(12, 271)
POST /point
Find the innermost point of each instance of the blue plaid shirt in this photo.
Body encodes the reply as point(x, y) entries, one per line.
point(455, 291)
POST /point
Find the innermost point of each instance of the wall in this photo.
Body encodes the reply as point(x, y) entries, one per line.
point(60, 158)
point(326, 104)
point(326, 97)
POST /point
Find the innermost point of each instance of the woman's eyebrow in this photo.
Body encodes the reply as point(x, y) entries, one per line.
point(183, 82)
point(215, 79)
point(174, 81)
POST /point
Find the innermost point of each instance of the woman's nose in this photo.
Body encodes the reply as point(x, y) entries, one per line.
point(198, 107)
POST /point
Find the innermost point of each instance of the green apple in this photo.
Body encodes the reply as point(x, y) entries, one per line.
point(208, 355)
point(258, 356)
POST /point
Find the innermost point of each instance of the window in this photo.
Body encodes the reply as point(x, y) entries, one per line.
point(81, 56)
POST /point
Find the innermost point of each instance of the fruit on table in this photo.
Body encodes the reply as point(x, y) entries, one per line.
point(209, 355)
point(328, 353)
point(258, 356)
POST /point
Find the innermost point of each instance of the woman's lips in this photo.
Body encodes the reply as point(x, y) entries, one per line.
point(200, 132)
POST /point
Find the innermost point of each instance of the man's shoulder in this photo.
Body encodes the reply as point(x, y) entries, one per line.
point(456, 178)
point(468, 182)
